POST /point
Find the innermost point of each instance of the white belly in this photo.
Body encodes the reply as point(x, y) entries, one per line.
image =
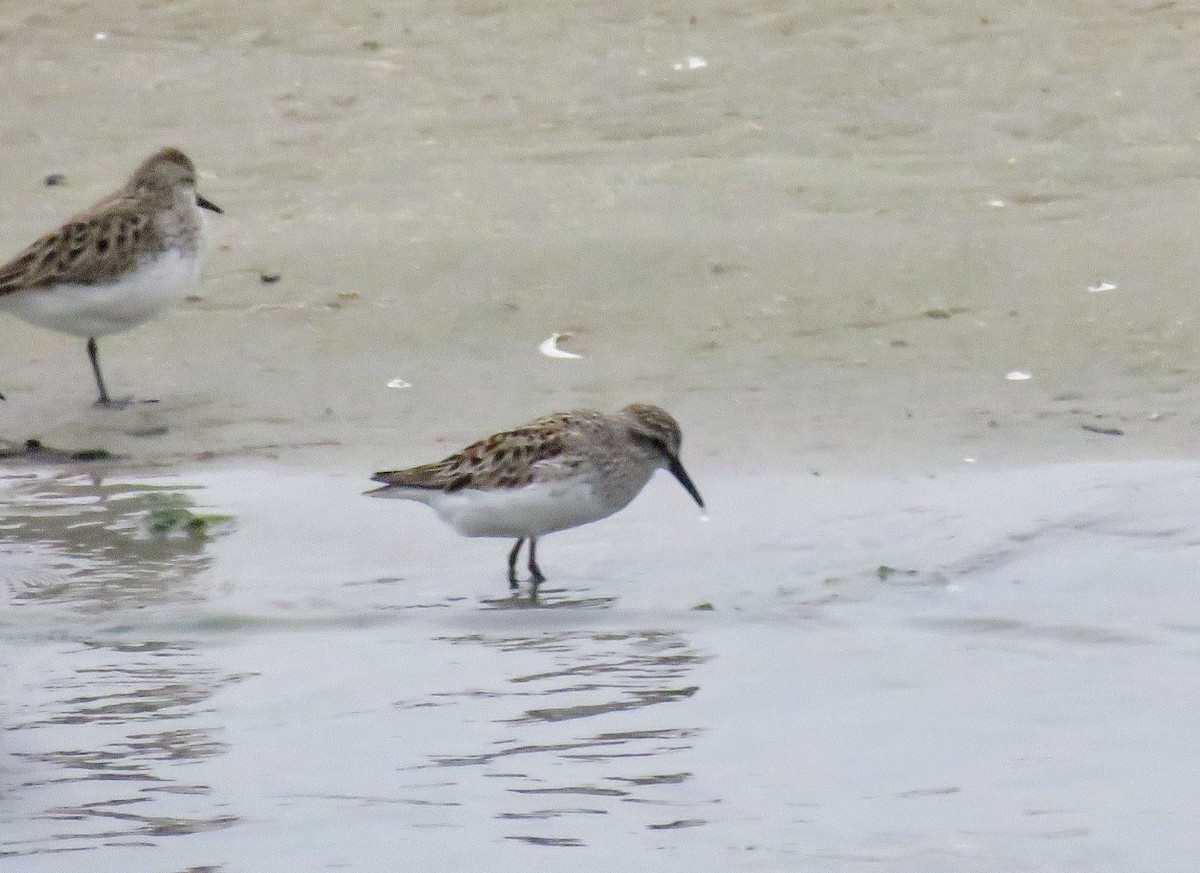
point(98, 310)
point(514, 512)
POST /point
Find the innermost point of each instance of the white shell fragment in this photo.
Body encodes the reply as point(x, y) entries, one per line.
point(399, 383)
point(996, 204)
point(1103, 286)
point(694, 62)
point(1017, 376)
point(550, 348)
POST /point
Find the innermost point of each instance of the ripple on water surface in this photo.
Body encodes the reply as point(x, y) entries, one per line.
point(148, 683)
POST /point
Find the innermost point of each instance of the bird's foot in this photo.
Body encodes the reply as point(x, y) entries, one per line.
point(535, 580)
point(109, 403)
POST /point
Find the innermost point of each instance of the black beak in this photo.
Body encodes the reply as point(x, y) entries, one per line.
point(208, 204)
point(676, 469)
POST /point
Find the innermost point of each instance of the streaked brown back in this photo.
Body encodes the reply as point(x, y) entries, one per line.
point(503, 460)
point(94, 249)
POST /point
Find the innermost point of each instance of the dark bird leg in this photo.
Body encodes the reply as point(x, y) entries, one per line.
point(512, 564)
point(535, 572)
point(94, 355)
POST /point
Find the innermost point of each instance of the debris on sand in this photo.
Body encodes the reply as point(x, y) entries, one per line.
point(33, 450)
point(550, 348)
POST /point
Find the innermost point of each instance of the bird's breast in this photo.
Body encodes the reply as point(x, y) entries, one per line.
point(529, 511)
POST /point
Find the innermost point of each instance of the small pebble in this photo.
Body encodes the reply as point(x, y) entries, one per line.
point(53, 179)
point(269, 278)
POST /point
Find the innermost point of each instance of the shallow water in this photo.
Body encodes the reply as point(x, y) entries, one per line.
point(1018, 686)
point(952, 628)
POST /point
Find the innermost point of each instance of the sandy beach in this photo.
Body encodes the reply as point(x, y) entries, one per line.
point(917, 280)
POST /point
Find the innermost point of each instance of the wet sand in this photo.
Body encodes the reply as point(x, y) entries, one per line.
point(951, 627)
point(791, 248)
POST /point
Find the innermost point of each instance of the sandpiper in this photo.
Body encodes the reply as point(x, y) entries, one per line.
point(117, 264)
point(561, 471)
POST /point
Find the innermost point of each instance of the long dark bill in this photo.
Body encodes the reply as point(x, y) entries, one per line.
point(209, 205)
point(676, 469)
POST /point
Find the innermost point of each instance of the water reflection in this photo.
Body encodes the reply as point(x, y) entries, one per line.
point(87, 542)
point(556, 744)
point(108, 746)
point(627, 670)
point(102, 736)
point(536, 718)
point(549, 598)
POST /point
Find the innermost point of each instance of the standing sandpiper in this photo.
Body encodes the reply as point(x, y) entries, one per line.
point(110, 268)
point(561, 471)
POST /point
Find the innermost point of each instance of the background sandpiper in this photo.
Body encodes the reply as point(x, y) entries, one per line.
point(117, 264)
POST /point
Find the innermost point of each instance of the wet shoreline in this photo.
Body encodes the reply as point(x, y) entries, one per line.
point(941, 618)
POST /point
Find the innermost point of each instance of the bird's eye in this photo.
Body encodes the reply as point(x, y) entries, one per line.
point(650, 443)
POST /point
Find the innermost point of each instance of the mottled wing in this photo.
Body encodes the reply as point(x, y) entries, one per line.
point(503, 460)
point(90, 250)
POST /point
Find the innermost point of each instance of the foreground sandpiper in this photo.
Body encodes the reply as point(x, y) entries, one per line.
point(122, 261)
point(558, 472)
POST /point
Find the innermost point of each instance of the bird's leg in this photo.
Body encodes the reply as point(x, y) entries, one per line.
point(535, 572)
point(105, 401)
point(512, 564)
point(93, 354)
